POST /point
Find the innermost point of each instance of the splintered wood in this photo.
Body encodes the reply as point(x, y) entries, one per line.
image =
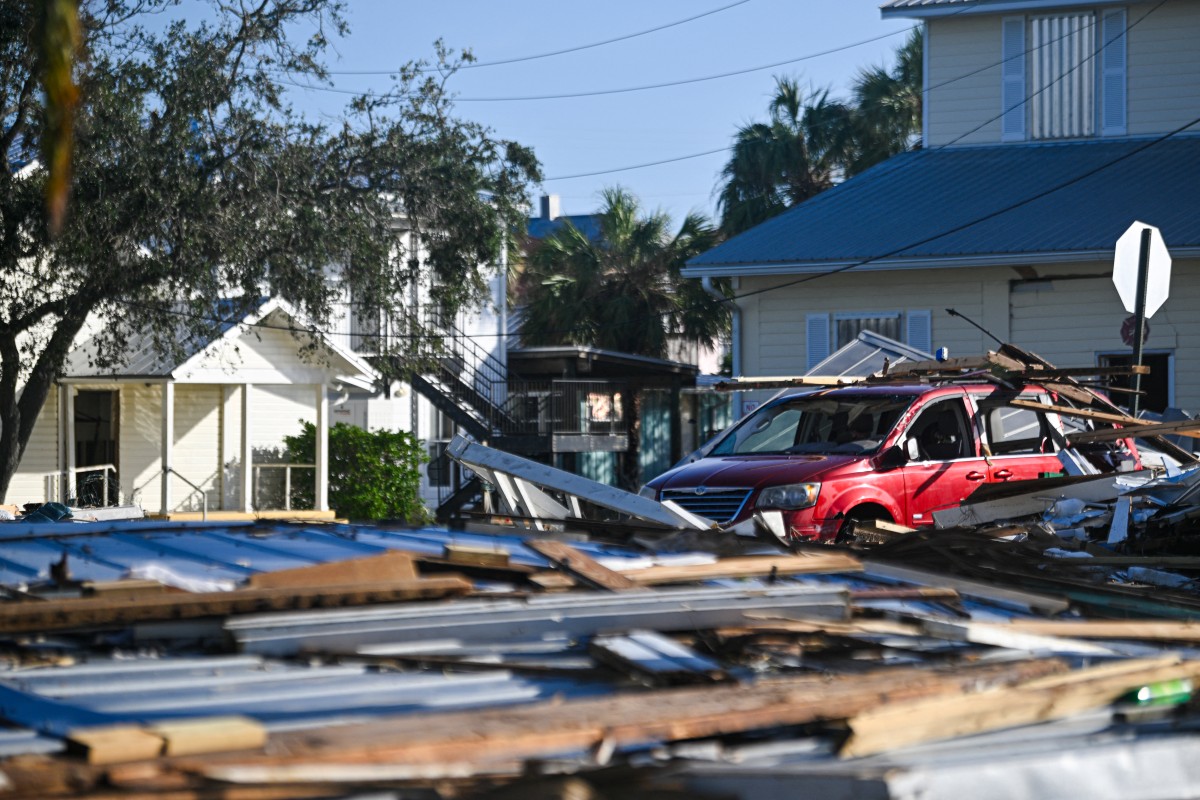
point(627, 719)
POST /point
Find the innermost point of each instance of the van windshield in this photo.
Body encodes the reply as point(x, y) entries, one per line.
point(845, 424)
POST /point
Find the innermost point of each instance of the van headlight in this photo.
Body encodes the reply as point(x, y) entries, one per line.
point(791, 495)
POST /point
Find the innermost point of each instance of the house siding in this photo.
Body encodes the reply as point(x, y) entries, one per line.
point(41, 456)
point(1087, 315)
point(774, 340)
point(1164, 67)
point(1163, 74)
point(964, 55)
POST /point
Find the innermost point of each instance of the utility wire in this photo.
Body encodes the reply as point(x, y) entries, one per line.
point(564, 51)
point(629, 89)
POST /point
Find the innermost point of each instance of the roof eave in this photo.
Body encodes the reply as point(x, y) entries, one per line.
point(999, 7)
point(891, 264)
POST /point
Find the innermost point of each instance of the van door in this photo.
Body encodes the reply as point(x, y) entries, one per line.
point(1020, 442)
point(947, 465)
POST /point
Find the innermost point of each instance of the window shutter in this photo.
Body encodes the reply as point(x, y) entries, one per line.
point(1112, 73)
point(1012, 71)
point(920, 330)
point(817, 338)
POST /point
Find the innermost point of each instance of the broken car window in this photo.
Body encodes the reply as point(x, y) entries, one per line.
point(846, 424)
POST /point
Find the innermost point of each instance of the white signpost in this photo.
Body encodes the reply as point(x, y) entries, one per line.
point(1142, 275)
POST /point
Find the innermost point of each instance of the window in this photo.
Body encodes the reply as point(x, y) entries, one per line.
point(1063, 75)
point(941, 432)
point(1157, 385)
point(1017, 431)
point(850, 325)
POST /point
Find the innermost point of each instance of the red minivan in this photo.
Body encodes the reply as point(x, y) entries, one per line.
point(897, 452)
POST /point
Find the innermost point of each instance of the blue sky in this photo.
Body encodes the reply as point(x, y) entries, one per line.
point(589, 134)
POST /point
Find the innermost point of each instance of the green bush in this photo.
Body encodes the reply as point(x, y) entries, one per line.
point(372, 475)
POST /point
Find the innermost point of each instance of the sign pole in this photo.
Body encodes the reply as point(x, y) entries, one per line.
point(1139, 324)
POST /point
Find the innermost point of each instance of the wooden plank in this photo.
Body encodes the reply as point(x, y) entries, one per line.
point(725, 568)
point(127, 587)
point(1183, 427)
point(475, 556)
point(904, 724)
point(1136, 630)
point(390, 566)
point(188, 737)
point(627, 719)
point(581, 566)
point(1083, 413)
point(753, 384)
point(114, 744)
point(98, 612)
point(1092, 372)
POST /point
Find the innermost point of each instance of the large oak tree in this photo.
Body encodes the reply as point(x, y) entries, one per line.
point(194, 179)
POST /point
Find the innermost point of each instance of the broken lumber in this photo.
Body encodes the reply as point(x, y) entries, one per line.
point(1082, 413)
point(633, 718)
point(73, 613)
point(581, 566)
point(1183, 427)
point(904, 724)
point(390, 566)
point(725, 568)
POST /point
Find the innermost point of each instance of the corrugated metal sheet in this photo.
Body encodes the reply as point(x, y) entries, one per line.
point(282, 696)
point(228, 551)
point(983, 202)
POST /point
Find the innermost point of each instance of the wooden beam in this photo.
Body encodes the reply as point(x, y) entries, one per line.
point(1083, 413)
point(816, 381)
point(1090, 372)
point(729, 568)
point(1183, 427)
point(627, 719)
point(99, 612)
point(905, 724)
point(390, 566)
point(1137, 630)
point(581, 566)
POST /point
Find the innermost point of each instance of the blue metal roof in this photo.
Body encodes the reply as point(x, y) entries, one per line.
point(1012, 203)
point(588, 225)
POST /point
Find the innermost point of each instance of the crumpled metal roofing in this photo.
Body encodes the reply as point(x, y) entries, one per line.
point(1056, 201)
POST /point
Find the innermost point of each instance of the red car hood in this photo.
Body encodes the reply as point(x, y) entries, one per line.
point(752, 471)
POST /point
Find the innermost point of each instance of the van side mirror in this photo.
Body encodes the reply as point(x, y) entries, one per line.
point(894, 457)
point(912, 449)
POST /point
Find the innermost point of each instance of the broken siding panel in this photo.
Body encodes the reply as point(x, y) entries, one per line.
point(1163, 71)
point(140, 449)
point(197, 449)
point(964, 71)
point(41, 456)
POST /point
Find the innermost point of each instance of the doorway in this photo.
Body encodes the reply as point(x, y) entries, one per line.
point(97, 416)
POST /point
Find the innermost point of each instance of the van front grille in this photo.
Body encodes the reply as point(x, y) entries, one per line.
point(719, 505)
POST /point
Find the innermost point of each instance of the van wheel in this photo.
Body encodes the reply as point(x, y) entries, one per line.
point(862, 513)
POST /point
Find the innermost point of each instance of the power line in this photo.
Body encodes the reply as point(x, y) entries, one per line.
point(629, 89)
point(634, 166)
point(564, 51)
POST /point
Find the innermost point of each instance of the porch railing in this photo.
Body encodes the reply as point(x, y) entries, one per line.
point(287, 481)
point(56, 482)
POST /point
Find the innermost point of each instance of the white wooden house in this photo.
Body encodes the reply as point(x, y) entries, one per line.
point(1049, 127)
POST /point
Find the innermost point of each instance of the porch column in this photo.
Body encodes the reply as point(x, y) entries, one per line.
point(67, 409)
point(247, 452)
point(321, 450)
point(168, 443)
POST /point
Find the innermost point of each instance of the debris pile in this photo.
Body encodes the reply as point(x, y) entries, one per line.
point(1041, 640)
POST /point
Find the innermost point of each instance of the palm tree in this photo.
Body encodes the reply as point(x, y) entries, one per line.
point(621, 291)
point(888, 108)
point(785, 161)
point(813, 141)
